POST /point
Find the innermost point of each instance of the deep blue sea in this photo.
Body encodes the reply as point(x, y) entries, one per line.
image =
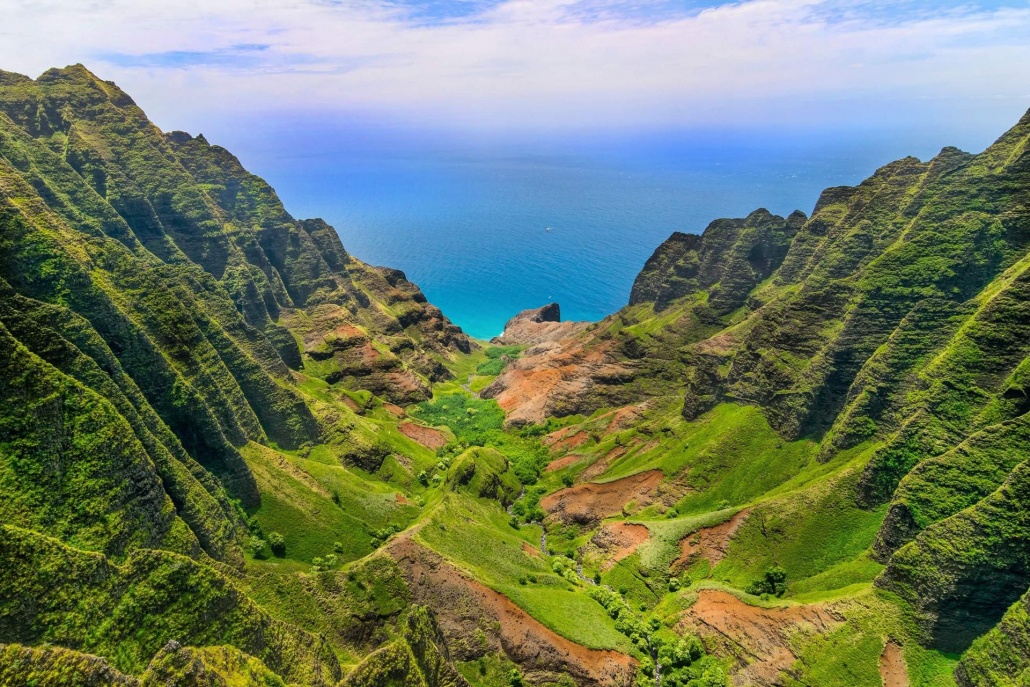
point(467, 219)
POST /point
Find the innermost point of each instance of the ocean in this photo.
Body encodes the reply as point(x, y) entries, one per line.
point(489, 228)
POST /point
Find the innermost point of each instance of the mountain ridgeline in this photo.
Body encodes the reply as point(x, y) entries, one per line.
point(231, 453)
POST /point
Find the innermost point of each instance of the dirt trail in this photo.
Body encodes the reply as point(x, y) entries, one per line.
point(709, 542)
point(758, 638)
point(591, 502)
point(893, 670)
point(463, 605)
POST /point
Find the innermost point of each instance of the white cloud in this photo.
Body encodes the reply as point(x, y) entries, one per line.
point(529, 62)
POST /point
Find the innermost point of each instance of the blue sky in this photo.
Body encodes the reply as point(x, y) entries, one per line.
point(501, 66)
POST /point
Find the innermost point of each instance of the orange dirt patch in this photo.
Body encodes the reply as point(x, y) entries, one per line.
point(401, 499)
point(563, 462)
point(565, 443)
point(599, 466)
point(758, 638)
point(575, 441)
point(530, 549)
point(555, 436)
point(351, 403)
point(591, 502)
point(555, 374)
point(349, 332)
point(892, 666)
point(427, 436)
point(718, 344)
point(709, 542)
point(623, 418)
point(397, 411)
point(618, 540)
point(463, 605)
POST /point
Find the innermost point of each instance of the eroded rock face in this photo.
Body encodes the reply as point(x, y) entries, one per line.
point(559, 378)
point(536, 326)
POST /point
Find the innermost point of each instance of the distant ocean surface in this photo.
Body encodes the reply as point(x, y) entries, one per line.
point(487, 229)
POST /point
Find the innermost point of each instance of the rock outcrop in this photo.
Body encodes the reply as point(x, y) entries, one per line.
point(536, 326)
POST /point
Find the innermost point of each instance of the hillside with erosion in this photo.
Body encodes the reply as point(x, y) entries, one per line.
point(231, 453)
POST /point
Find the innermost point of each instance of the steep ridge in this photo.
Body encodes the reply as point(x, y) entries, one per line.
point(890, 328)
point(158, 260)
point(161, 316)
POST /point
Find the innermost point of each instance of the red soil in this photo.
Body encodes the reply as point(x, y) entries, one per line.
point(893, 670)
point(349, 332)
point(351, 403)
point(552, 374)
point(555, 436)
point(427, 436)
point(623, 418)
point(463, 605)
point(591, 502)
point(618, 540)
point(758, 638)
point(562, 441)
point(531, 550)
point(709, 542)
point(401, 499)
point(564, 462)
point(602, 464)
point(396, 410)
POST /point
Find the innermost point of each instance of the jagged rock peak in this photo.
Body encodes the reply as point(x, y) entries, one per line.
point(547, 313)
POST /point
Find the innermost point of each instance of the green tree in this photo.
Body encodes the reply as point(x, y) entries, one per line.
point(277, 543)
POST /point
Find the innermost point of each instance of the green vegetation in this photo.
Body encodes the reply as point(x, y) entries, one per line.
point(497, 358)
point(232, 454)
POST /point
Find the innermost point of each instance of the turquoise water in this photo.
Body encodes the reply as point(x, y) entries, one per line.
point(468, 220)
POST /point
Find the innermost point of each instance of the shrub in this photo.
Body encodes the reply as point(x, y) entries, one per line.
point(277, 543)
point(256, 547)
point(773, 582)
point(567, 480)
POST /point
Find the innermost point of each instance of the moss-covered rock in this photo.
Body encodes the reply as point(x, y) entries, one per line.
point(419, 658)
point(57, 667)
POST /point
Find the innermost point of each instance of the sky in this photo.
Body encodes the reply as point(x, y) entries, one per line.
point(502, 67)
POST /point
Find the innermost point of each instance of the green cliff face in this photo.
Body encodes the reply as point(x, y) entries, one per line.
point(160, 315)
point(889, 333)
point(233, 454)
